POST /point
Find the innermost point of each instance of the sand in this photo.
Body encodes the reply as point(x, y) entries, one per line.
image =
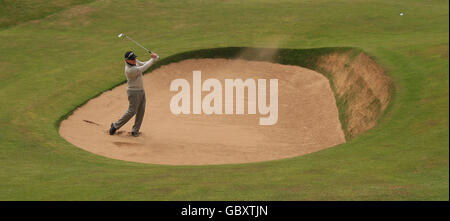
point(307, 119)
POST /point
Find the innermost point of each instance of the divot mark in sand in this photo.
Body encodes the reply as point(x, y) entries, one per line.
point(91, 122)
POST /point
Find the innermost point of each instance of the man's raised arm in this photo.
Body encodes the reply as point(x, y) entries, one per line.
point(145, 65)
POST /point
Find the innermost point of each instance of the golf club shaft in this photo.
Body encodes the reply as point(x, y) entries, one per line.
point(138, 44)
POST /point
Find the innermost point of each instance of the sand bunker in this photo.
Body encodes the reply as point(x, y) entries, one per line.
point(307, 119)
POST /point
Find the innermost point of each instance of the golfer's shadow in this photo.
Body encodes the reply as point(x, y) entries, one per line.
point(127, 144)
point(122, 133)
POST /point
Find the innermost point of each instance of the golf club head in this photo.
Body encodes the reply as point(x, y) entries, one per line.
point(120, 35)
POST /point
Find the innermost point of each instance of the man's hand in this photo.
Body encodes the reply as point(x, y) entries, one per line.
point(153, 55)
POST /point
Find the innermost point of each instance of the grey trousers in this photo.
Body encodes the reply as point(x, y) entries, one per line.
point(136, 99)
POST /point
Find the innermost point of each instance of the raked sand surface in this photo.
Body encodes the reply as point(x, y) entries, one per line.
point(307, 119)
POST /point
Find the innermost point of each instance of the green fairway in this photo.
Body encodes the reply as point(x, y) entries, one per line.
point(57, 56)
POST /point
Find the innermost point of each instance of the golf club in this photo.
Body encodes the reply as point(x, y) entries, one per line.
point(122, 34)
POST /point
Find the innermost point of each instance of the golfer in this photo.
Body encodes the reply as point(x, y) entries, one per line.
point(136, 95)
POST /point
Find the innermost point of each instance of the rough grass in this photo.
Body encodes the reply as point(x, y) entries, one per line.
point(52, 67)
